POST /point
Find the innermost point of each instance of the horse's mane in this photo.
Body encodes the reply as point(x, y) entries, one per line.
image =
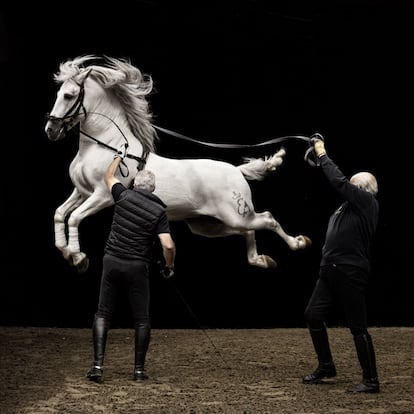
point(129, 85)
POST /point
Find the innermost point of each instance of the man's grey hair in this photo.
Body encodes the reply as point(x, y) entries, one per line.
point(145, 180)
point(365, 181)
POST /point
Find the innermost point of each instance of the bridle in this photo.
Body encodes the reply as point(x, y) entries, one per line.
point(72, 115)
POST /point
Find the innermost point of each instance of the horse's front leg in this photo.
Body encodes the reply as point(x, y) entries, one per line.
point(96, 202)
point(74, 200)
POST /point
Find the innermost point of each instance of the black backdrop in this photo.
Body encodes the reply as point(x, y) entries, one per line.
point(232, 71)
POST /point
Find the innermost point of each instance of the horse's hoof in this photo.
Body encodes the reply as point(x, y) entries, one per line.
point(303, 242)
point(67, 256)
point(264, 261)
point(270, 263)
point(83, 265)
point(308, 241)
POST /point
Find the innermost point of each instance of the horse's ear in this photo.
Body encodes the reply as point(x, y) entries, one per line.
point(83, 75)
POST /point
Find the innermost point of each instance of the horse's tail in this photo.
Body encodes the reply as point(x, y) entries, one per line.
point(258, 168)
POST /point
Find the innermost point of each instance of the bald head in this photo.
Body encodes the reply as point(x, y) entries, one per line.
point(365, 181)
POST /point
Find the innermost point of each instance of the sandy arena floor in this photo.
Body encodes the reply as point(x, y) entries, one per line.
point(253, 371)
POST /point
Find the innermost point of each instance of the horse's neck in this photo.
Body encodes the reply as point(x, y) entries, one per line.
point(110, 128)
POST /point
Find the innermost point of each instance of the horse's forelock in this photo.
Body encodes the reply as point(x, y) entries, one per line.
point(71, 68)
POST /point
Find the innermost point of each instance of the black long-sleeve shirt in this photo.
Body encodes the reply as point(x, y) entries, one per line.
point(352, 226)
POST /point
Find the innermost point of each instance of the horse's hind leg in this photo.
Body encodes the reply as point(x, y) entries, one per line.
point(255, 259)
point(211, 227)
point(266, 221)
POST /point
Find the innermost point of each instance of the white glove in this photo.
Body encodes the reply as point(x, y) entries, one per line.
point(319, 147)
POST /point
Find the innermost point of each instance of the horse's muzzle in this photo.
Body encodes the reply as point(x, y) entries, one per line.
point(55, 129)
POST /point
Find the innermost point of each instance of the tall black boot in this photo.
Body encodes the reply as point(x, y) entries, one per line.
point(142, 340)
point(326, 367)
point(99, 335)
point(367, 360)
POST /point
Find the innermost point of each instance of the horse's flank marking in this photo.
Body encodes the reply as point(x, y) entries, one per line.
point(242, 206)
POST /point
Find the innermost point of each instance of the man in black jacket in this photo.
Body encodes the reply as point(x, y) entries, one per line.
point(139, 217)
point(344, 272)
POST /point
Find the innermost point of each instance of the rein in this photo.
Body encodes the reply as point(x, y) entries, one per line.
point(141, 160)
point(308, 153)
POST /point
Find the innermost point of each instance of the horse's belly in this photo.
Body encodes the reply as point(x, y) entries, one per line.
point(179, 205)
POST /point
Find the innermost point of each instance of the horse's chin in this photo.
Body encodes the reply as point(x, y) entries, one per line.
point(56, 135)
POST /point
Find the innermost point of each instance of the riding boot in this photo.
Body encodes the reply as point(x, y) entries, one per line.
point(99, 335)
point(367, 360)
point(326, 367)
point(142, 340)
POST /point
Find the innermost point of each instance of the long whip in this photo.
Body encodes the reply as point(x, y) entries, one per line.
point(194, 316)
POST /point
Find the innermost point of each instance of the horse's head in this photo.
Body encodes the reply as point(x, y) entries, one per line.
point(108, 95)
point(68, 107)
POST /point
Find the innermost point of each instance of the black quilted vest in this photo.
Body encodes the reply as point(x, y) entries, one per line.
point(134, 225)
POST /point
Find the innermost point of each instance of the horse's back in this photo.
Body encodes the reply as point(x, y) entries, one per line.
point(203, 172)
point(191, 187)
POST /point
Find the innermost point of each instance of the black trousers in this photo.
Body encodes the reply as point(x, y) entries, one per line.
point(339, 285)
point(124, 277)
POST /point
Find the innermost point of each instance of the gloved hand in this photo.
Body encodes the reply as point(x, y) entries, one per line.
point(319, 147)
point(122, 151)
point(167, 272)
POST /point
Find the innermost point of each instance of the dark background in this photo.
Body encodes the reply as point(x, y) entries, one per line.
point(231, 71)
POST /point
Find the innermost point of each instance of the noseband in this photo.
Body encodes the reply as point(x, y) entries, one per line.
point(73, 112)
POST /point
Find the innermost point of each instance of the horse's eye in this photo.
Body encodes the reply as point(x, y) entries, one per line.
point(68, 96)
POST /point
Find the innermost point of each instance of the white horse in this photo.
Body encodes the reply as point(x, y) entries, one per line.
point(108, 101)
